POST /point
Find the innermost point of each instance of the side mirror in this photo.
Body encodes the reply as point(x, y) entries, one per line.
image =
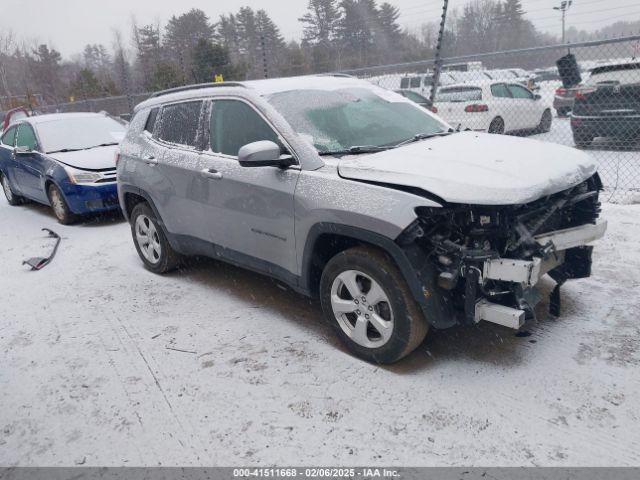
point(537, 97)
point(21, 150)
point(264, 153)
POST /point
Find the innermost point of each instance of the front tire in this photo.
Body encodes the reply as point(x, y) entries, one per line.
point(367, 301)
point(150, 241)
point(12, 198)
point(60, 207)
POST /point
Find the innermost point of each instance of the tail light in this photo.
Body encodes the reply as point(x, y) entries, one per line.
point(561, 91)
point(575, 122)
point(434, 109)
point(476, 107)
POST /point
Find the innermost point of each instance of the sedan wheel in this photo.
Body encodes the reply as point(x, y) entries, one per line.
point(12, 198)
point(497, 126)
point(60, 208)
point(362, 309)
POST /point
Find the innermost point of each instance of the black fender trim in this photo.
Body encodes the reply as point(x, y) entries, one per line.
point(413, 265)
point(124, 190)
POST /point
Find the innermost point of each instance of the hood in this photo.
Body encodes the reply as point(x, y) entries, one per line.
point(476, 168)
point(100, 158)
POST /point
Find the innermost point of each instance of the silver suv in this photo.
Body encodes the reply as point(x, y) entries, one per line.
point(346, 191)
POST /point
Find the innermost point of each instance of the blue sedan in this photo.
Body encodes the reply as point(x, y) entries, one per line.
point(67, 161)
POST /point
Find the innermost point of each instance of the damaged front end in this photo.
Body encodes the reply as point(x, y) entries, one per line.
point(484, 262)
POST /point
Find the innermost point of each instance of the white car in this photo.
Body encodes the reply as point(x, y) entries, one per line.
point(494, 107)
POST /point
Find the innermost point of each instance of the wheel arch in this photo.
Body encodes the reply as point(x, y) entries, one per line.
point(325, 240)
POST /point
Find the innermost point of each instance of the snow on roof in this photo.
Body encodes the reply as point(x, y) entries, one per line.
point(51, 117)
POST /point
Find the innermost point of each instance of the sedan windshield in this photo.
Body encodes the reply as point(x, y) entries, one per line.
point(343, 119)
point(79, 133)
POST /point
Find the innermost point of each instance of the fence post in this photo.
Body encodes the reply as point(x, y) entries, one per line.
point(438, 62)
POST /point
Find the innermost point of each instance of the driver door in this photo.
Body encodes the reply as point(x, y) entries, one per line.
point(29, 166)
point(249, 210)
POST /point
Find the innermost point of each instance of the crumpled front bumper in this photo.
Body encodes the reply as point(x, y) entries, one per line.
point(528, 273)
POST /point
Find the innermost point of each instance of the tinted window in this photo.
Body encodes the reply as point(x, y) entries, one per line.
point(26, 137)
point(404, 82)
point(415, 82)
point(151, 120)
point(459, 94)
point(500, 91)
point(520, 92)
point(9, 136)
point(415, 97)
point(179, 123)
point(234, 124)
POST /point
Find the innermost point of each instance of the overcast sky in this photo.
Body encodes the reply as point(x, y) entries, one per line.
point(70, 24)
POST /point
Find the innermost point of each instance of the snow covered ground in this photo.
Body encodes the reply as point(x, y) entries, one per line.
point(104, 363)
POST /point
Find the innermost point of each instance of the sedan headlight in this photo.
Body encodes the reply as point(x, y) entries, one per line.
point(82, 176)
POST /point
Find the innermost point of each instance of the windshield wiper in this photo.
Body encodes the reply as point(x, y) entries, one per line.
point(101, 145)
point(424, 136)
point(358, 149)
point(65, 150)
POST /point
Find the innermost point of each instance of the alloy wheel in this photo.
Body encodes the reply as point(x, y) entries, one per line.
point(148, 239)
point(362, 309)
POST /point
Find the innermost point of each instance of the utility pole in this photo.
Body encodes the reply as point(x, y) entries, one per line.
point(438, 61)
point(564, 6)
point(263, 47)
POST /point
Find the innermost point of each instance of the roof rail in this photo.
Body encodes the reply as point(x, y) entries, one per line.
point(197, 86)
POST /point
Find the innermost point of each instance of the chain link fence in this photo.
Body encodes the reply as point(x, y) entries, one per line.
point(520, 92)
point(516, 92)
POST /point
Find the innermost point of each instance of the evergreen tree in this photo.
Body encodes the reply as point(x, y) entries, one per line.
point(182, 35)
point(210, 59)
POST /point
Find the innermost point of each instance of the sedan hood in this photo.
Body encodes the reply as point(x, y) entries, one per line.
point(99, 158)
point(475, 168)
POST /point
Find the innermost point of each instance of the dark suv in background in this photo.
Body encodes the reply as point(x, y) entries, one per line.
point(608, 105)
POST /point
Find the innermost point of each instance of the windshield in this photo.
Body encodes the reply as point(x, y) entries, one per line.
point(78, 133)
point(336, 120)
point(459, 94)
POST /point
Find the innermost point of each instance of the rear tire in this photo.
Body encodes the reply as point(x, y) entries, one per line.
point(367, 301)
point(150, 241)
point(496, 126)
point(545, 122)
point(60, 207)
point(12, 198)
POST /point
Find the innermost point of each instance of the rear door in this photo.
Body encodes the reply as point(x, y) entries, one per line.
point(179, 185)
point(30, 166)
point(249, 210)
point(504, 105)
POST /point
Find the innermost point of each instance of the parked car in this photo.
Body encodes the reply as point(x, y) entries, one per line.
point(419, 99)
point(343, 190)
point(11, 116)
point(494, 107)
point(608, 105)
point(64, 160)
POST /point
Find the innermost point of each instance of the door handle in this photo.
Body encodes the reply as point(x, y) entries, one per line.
point(211, 173)
point(149, 159)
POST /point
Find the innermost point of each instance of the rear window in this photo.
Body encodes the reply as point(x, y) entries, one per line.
point(179, 123)
point(415, 82)
point(459, 94)
point(615, 75)
point(404, 83)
